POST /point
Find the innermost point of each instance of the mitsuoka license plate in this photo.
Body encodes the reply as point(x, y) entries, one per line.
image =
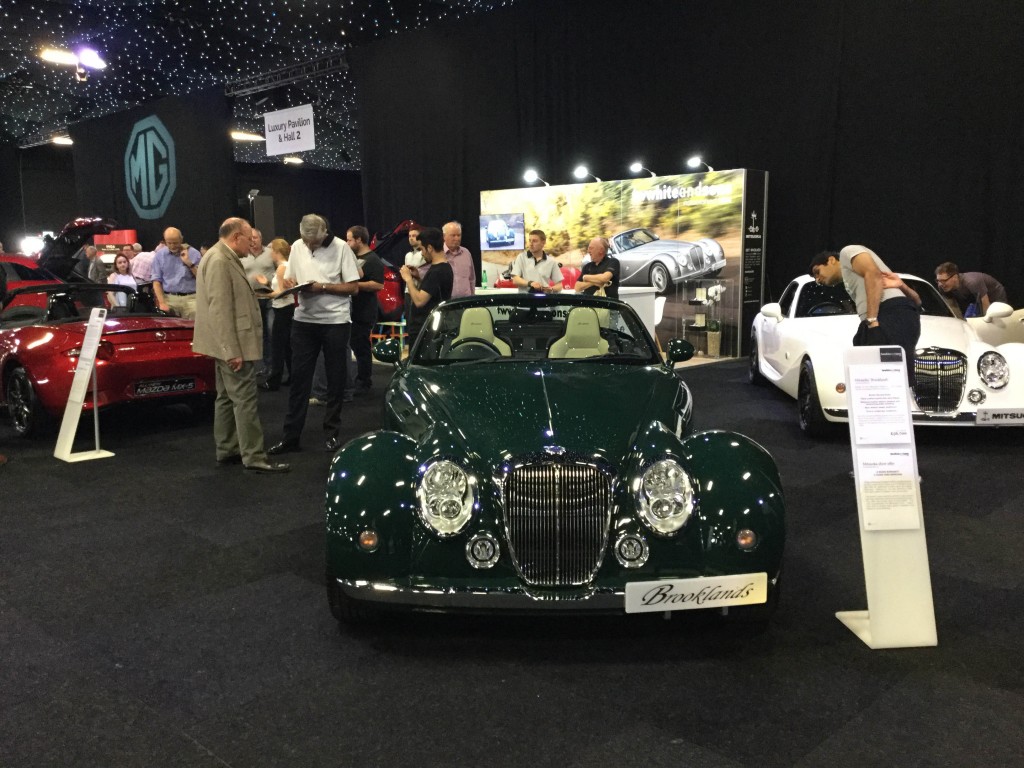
point(163, 387)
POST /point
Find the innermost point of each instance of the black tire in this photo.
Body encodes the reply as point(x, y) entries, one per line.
point(27, 414)
point(812, 419)
point(660, 278)
point(346, 610)
point(754, 375)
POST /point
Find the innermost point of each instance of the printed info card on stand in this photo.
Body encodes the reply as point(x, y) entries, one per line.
point(878, 405)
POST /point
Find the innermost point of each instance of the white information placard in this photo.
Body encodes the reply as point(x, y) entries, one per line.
point(85, 371)
point(878, 404)
point(289, 130)
point(897, 580)
point(888, 486)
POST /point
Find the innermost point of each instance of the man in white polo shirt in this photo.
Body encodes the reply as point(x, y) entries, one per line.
point(534, 270)
point(325, 268)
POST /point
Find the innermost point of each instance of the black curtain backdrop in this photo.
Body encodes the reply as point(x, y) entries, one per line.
point(199, 124)
point(891, 124)
point(337, 195)
point(37, 191)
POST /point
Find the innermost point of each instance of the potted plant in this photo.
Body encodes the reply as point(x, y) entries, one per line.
point(714, 297)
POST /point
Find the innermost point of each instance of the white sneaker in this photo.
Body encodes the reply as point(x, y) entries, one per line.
point(315, 401)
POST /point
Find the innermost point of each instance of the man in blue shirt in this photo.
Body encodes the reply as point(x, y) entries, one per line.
point(174, 275)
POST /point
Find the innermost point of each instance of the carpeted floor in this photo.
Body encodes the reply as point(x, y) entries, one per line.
point(158, 611)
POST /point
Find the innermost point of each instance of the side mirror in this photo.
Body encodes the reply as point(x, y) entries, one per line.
point(997, 310)
point(773, 310)
point(679, 351)
point(388, 351)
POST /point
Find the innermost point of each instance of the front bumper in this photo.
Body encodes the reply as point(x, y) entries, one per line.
point(477, 600)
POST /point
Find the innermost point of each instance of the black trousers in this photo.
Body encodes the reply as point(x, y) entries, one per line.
point(899, 324)
point(308, 341)
point(280, 344)
point(360, 344)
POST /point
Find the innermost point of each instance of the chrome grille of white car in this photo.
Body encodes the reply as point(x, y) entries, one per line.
point(557, 517)
point(941, 377)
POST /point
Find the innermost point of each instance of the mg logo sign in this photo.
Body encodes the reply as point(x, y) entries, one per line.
point(150, 176)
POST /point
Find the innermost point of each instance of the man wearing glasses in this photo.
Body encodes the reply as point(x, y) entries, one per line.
point(969, 288)
point(889, 309)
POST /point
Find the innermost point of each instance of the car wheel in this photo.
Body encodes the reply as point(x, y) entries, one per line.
point(754, 374)
point(812, 419)
point(346, 610)
point(26, 412)
point(660, 278)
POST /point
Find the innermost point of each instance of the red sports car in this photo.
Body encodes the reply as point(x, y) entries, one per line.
point(22, 272)
point(143, 355)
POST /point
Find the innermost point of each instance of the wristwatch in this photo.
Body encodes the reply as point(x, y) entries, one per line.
point(871, 319)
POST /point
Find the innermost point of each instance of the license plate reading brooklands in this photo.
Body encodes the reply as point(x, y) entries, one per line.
point(700, 593)
point(164, 387)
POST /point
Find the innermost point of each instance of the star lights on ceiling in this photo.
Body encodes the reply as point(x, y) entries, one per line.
point(156, 48)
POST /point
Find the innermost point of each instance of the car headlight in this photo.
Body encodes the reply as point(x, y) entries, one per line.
point(446, 498)
point(993, 370)
point(712, 248)
point(665, 496)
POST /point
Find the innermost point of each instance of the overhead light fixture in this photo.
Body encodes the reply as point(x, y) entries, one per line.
point(81, 75)
point(531, 177)
point(87, 57)
point(581, 172)
point(638, 166)
point(64, 141)
point(31, 244)
point(696, 161)
point(252, 194)
point(246, 136)
point(56, 56)
point(292, 160)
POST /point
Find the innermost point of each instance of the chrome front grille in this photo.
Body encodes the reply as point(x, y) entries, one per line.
point(940, 379)
point(557, 517)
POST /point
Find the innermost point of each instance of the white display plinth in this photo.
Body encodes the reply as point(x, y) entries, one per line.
point(85, 372)
point(896, 576)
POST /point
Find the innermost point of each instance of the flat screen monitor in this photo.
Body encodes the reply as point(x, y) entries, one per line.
point(502, 232)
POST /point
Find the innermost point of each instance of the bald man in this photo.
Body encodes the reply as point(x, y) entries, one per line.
point(174, 275)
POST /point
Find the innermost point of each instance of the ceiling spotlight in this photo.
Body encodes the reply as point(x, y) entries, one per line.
point(531, 177)
point(87, 57)
point(253, 193)
point(81, 75)
point(246, 136)
point(63, 140)
point(581, 172)
point(55, 56)
point(638, 166)
point(696, 161)
point(293, 160)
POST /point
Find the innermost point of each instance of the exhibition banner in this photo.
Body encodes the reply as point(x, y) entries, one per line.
point(681, 236)
point(289, 130)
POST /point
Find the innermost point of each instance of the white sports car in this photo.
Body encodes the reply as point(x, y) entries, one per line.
point(969, 372)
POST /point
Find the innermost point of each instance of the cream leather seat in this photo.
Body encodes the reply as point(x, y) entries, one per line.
point(582, 336)
point(476, 324)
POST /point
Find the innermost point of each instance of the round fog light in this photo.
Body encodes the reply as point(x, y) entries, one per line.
point(976, 397)
point(746, 539)
point(631, 550)
point(368, 541)
point(482, 551)
point(841, 387)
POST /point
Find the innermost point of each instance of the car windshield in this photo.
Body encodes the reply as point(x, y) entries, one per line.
point(526, 327)
point(822, 300)
point(634, 238)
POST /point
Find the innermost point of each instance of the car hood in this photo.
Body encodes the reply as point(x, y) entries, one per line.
point(944, 332)
point(500, 410)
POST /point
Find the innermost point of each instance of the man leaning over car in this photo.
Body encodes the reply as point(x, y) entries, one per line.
point(889, 309)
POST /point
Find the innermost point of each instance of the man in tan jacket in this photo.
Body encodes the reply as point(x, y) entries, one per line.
point(228, 328)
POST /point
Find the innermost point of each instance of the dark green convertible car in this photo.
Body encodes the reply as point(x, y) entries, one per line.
point(537, 456)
